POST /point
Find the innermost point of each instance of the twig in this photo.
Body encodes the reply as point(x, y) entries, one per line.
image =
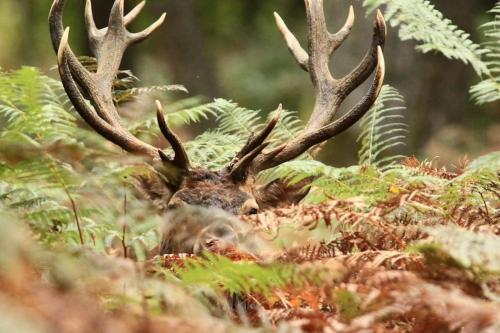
point(124, 229)
point(75, 213)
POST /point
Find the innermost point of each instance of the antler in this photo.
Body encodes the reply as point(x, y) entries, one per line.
point(108, 46)
point(240, 166)
point(330, 91)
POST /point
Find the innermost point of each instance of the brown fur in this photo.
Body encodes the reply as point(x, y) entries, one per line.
point(194, 230)
point(216, 189)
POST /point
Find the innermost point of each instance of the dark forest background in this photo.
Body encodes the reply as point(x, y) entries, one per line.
point(232, 49)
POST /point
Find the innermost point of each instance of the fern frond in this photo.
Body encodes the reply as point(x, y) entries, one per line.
point(477, 252)
point(419, 20)
point(382, 129)
point(183, 112)
point(34, 108)
point(238, 120)
point(489, 162)
point(298, 170)
point(46, 172)
point(251, 277)
point(488, 90)
point(242, 277)
point(124, 89)
point(214, 149)
point(289, 126)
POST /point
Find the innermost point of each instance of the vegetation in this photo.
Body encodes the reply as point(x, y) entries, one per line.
point(393, 244)
point(420, 21)
point(488, 91)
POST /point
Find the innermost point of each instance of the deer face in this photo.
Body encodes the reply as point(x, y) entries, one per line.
point(206, 188)
point(233, 188)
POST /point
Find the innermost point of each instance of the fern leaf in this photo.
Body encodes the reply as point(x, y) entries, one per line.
point(214, 149)
point(238, 120)
point(183, 112)
point(289, 126)
point(419, 20)
point(477, 252)
point(33, 108)
point(382, 129)
point(488, 90)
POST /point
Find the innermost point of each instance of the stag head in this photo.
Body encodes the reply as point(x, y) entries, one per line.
point(234, 187)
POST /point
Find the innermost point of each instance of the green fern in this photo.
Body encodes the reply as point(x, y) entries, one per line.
point(249, 277)
point(236, 278)
point(298, 170)
point(419, 20)
point(289, 126)
point(214, 149)
point(382, 129)
point(124, 89)
point(33, 106)
point(488, 91)
point(184, 112)
point(238, 120)
point(243, 122)
point(477, 252)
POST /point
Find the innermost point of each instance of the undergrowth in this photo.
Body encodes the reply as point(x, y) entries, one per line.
point(393, 244)
point(364, 251)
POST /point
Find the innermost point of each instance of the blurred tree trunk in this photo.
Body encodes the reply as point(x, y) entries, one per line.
point(440, 96)
point(184, 47)
point(28, 41)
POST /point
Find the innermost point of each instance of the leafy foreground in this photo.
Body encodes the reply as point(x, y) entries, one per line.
point(423, 256)
point(380, 247)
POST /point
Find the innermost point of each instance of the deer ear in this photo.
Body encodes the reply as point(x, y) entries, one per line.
point(279, 194)
point(153, 187)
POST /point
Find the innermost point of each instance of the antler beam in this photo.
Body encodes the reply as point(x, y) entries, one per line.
point(181, 159)
point(108, 46)
point(330, 91)
point(240, 166)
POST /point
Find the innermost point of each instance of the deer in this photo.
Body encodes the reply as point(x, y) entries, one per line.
point(234, 188)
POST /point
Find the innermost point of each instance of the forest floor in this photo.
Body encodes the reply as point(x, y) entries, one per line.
point(425, 258)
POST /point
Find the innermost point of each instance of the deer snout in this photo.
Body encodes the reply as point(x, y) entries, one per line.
point(217, 236)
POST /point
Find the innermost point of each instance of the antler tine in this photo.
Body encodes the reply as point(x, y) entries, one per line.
point(259, 139)
point(293, 44)
point(108, 45)
point(330, 92)
point(240, 165)
point(134, 13)
point(309, 139)
point(96, 34)
point(342, 34)
point(84, 78)
point(116, 17)
point(117, 136)
point(181, 159)
point(138, 37)
point(239, 172)
point(319, 46)
point(57, 31)
point(369, 62)
point(360, 109)
point(56, 23)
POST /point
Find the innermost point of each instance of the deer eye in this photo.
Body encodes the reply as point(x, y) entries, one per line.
point(250, 207)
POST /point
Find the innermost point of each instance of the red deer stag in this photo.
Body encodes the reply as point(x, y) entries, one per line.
point(234, 187)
